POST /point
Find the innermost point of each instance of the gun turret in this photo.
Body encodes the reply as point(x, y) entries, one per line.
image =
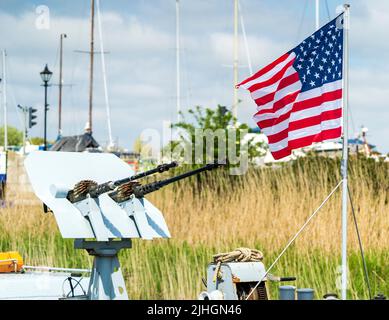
point(87, 187)
point(140, 191)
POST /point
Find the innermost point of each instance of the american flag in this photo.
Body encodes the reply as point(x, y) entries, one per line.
point(299, 95)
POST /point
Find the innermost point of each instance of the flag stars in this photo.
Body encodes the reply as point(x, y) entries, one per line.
point(318, 58)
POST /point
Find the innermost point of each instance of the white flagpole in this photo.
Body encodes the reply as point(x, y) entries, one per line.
point(346, 26)
point(317, 9)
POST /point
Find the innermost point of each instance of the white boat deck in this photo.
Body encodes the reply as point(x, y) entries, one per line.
point(41, 285)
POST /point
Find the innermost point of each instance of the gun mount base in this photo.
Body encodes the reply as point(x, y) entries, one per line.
point(106, 281)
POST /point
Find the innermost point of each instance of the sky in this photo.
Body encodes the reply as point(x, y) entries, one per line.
point(139, 38)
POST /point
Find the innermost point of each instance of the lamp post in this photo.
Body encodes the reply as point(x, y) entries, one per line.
point(46, 76)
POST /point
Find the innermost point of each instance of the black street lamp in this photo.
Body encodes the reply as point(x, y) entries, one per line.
point(46, 76)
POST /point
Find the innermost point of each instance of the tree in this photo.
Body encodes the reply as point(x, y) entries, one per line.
point(37, 141)
point(211, 135)
point(15, 137)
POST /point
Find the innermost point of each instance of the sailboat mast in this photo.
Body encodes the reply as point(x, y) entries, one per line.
point(246, 44)
point(107, 106)
point(235, 64)
point(178, 79)
point(60, 86)
point(91, 63)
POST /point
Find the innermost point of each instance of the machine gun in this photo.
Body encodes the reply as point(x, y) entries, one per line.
point(125, 191)
point(101, 226)
point(89, 187)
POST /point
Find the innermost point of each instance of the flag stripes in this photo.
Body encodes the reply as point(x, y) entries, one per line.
point(299, 95)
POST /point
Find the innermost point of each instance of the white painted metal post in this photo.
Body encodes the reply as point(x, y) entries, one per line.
point(25, 111)
point(346, 25)
point(5, 103)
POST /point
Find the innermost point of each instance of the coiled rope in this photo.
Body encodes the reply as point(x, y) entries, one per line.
point(237, 255)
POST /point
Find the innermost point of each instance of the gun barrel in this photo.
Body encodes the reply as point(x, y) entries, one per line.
point(159, 169)
point(94, 190)
point(141, 191)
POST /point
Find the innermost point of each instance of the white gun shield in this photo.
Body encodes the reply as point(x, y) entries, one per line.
point(53, 174)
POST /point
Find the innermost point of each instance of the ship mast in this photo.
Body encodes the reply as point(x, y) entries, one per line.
point(91, 65)
point(60, 86)
point(178, 84)
point(111, 143)
point(235, 62)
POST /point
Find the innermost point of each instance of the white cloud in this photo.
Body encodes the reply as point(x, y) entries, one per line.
point(262, 50)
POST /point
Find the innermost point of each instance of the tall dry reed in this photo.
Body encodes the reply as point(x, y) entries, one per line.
point(218, 212)
point(267, 206)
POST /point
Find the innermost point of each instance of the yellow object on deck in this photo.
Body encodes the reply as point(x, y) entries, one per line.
point(10, 261)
